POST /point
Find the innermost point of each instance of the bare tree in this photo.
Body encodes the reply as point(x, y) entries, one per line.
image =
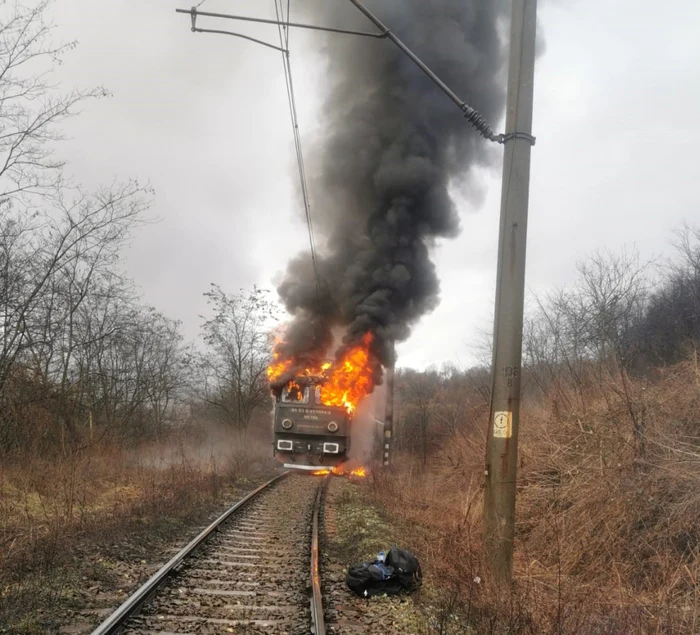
point(555, 350)
point(611, 299)
point(238, 352)
point(163, 363)
point(59, 246)
point(671, 329)
point(418, 392)
point(687, 244)
point(31, 108)
point(58, 252)
point(588, 335)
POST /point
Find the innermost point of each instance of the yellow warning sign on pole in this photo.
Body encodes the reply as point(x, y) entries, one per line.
point(502, 425)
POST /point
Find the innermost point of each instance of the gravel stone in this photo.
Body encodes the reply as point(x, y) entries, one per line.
point(252, 577)
point(353, 532)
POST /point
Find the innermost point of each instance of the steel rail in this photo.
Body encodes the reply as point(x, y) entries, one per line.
point(131, 606)
point(317, 618)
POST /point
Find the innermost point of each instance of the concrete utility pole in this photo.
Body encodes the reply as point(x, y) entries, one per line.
point(502, 441)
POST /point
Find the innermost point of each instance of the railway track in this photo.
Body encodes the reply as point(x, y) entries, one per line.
point(253, 570)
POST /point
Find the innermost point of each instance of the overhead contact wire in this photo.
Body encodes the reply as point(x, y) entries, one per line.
point(284, 43)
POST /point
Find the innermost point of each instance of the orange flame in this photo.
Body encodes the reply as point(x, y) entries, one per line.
point(321, 472)
point(350, 379)
point(339, 470)
point(278, 367)
point(347, 380)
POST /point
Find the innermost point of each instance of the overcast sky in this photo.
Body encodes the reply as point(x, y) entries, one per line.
point(204, 118)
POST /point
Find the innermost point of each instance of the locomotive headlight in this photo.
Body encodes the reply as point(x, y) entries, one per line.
point(286, 424)
point(332, 426)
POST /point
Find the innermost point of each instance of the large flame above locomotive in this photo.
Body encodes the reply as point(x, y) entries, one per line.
point(343, 383)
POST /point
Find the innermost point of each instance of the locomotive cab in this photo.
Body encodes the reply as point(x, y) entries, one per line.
point(308, 434)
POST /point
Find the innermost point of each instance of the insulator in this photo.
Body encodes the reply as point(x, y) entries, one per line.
point(477, 120)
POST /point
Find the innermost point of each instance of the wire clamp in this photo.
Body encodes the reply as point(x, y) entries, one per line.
point(193, 14)
point(504, 138)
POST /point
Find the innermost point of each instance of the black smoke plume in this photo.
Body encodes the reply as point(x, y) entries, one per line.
point(391, 145)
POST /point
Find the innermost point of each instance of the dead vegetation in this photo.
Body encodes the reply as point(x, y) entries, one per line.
point(607, 541)
point(608, 507)
point(70, 525)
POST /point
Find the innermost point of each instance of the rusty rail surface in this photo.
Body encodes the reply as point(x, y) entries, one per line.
point(317, 619)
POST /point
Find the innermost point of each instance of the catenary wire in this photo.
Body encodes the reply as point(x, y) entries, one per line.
point(289, 82)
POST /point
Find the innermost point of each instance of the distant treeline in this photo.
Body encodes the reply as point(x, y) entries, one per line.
point(621, 319)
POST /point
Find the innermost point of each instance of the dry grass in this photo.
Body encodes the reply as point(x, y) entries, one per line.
point(55, 511)
point(608, 533)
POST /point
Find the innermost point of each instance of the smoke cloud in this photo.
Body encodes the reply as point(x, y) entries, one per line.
point(391, 145)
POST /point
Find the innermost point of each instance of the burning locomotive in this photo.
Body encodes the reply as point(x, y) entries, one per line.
point(308, 433)
point(314, 406)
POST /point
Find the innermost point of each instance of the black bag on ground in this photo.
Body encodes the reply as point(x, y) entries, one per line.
point(400, 572)
point(406, 568)
point(371, 578)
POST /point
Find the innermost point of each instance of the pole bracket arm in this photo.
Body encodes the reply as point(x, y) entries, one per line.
point(504, 138)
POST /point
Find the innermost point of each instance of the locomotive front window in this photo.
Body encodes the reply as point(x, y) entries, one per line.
point(317, 396)
point(293, 393)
